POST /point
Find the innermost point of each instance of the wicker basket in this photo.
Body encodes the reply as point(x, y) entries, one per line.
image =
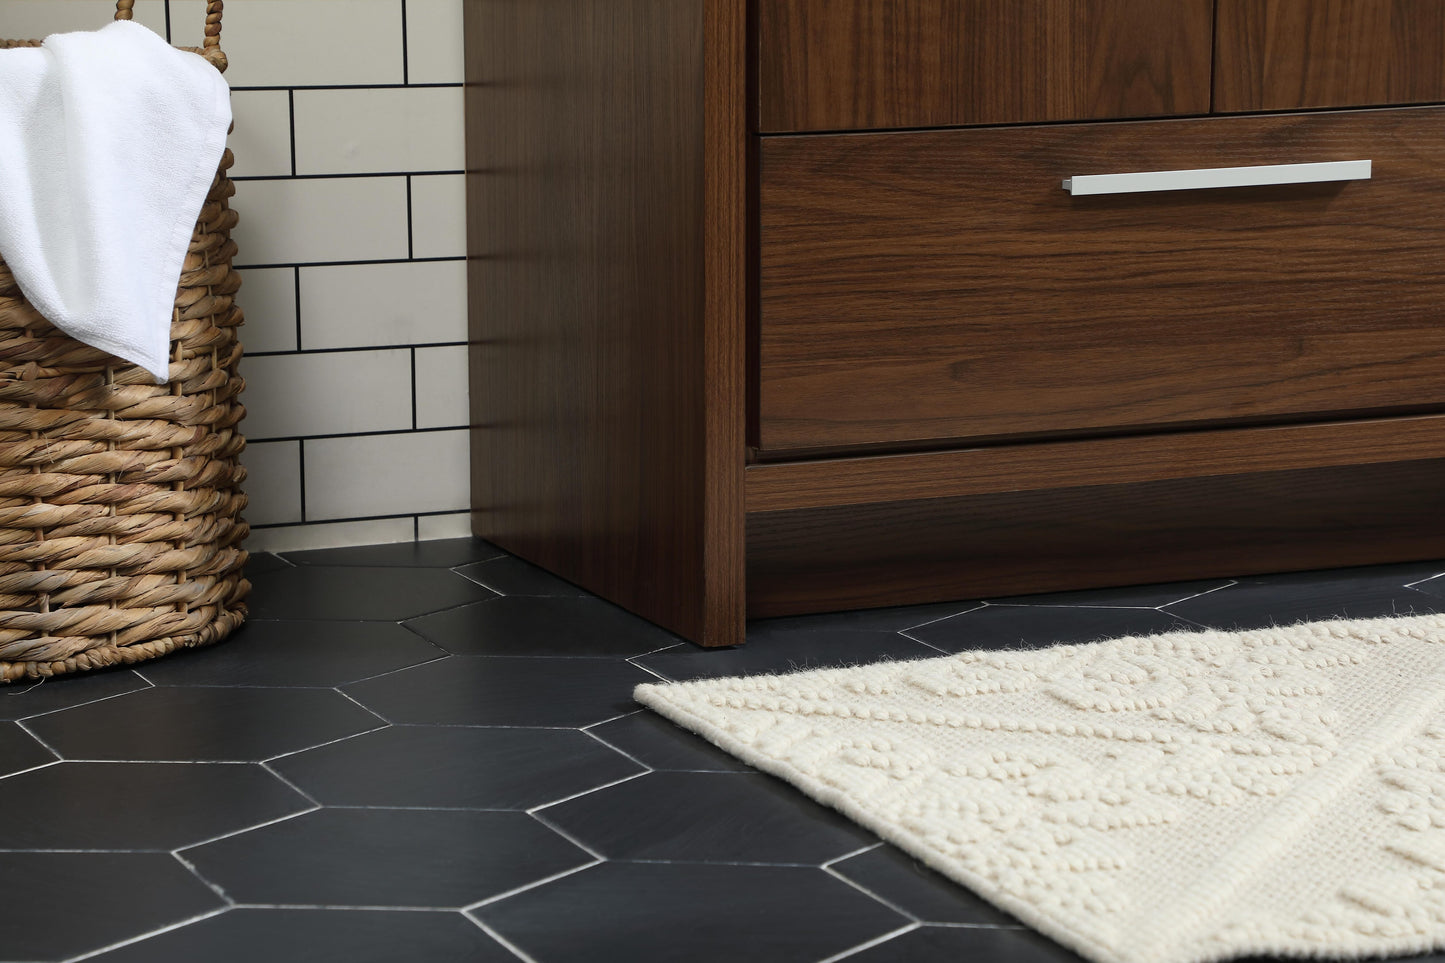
point(120, 527)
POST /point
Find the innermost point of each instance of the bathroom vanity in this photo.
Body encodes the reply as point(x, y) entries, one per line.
point(788, 306)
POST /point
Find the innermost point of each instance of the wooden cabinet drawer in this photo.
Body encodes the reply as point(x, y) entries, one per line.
point(941, 285)
point(850, 64)
point(1292, 54)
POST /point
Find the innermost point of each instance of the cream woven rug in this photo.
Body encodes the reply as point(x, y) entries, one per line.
point(1179, 798)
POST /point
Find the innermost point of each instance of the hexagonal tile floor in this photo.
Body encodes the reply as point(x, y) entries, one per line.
point(429, 753)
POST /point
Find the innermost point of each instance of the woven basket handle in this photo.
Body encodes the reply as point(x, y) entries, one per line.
point(211, 47)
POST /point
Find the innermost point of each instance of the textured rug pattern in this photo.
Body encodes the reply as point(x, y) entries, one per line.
point(1172, 799)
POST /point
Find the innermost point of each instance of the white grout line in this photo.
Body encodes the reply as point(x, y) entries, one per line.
point(857, 852)
point(246, 829)
point(366, 707)
point(347, 908)
point(570, 838)
point(651, 672)
point(295, 788)
point(320, 745)
point(872, 895)
point(942, 618)
point(877, 941)
point(77, 705)
point(441, 656)
point(532, 811)
point(90, 954)
point(593, 725)
point(1230, 583)
point(43, 765)
point(503, 941)
point(620, 752)
point(213, 887)
point(498, 897)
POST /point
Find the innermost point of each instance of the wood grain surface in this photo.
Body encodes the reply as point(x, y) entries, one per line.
point(941, 286)
point(606, 206)
point(1068, 538)
point(830, 482)
point(1293, 54)
point(846, 64)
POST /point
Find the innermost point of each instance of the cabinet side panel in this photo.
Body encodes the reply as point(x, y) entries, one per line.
point(587, 186)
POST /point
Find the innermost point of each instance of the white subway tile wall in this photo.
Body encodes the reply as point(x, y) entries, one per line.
point(349, 156)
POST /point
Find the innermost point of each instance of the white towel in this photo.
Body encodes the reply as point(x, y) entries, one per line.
point(109, 141)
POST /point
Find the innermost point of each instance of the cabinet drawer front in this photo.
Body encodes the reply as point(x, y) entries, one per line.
point(1293, 54)
point(850, 64)
point(941, 285)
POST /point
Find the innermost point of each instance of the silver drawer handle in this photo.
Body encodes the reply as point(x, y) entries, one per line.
point(1354, 170)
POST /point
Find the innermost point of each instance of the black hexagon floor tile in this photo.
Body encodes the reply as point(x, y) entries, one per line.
point(501, 691)
point(20, 700)
point(512, 576)
point(318, 936)
point(1129, 596)
point(585, 627)
point(447, 767)
point(313, 653)
point(791, 652)
point(1431, 586)
point(19, 750)
point(437, 553)
point(1360, 593)
point(60, 904)
point(663, 913)
point(386, 857)
point(659, 744)
point(196, 723)
point(899, 879)
point(1026, 626)
point(949, 944)
point(138, 806)
point(356, 593)
point(707, 817)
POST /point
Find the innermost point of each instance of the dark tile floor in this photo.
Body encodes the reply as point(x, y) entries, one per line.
point(429, 754)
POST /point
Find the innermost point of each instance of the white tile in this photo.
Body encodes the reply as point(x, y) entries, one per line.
point(439, 215)
point(299, 538)
point(381, 130)
point(261, 139)
point(297, 43)
point(360, 305)
point(268, 300)
point(387, 474)
point(273, 482)
point(429, 527)
point(290, 395)
point(434, 51)
point(441, 387)
point(320, 219)
point(37, 19)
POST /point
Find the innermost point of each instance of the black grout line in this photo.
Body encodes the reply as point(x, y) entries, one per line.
point(413, 393)
point(364, 261)
point(300, 478)
point(405, 70)
point(291, 115)
point(259, 439)
point(353, 348)
point(410, 222)
point(297, 272)
point(349, 176)
point(251, 87)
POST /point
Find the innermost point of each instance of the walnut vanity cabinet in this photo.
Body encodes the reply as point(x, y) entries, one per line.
point(782, 307)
